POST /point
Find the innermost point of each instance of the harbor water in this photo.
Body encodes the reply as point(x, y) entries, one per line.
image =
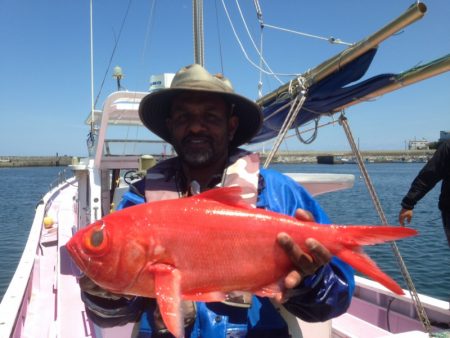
point(427, 256)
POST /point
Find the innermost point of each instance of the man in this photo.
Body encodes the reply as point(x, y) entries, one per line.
point(206, 122)
point(437, 169)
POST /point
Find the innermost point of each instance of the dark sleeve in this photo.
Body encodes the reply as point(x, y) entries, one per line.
point(107, 312)
point(434, 171)
point(328, 292)
point(324, 295)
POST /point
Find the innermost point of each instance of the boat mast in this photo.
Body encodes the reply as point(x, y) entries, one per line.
point(91, 137)
point(197, 11)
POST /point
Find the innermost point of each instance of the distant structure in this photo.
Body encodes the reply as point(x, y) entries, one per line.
point(160, 81)
point(445, 135)
point(418, 144)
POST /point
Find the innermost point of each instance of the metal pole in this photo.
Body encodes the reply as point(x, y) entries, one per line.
point(412, 14)
point(407, 78)
point(91, 139)
point(197, 8)
point(412, 290)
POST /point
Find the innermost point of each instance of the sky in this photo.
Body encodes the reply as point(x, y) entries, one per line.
point(45, 90)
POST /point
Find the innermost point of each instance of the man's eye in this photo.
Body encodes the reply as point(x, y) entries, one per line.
point(213, 118)
point(180, 118)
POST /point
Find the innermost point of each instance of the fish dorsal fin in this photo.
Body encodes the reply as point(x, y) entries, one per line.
point(234, 196)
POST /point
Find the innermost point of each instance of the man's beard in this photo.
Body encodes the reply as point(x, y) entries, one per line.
point(196, 157)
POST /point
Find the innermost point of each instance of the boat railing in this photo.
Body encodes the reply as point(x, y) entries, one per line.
point(61, 178)
point(17, 296)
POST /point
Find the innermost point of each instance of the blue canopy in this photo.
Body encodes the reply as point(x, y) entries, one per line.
point(325, 96)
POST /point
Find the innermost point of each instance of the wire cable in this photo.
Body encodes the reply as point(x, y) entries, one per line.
point(330, 39)
point(113, 52)
point(242, 47)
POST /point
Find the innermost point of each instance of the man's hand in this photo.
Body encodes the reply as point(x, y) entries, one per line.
point(405, 214)
point(305, 263)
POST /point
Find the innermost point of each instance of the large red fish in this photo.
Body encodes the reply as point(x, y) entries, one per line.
point(204, 247)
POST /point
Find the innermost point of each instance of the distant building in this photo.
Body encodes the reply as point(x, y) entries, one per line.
point(418, 145)
point(160, 81)
point(445, 135)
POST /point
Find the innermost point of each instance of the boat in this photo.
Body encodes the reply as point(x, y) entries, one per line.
point(43, 299)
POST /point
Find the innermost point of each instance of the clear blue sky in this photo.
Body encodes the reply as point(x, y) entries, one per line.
point(45, 87)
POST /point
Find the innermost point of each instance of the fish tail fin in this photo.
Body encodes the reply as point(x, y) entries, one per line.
point(364, 264)
point(358, 235)
point(353, 237)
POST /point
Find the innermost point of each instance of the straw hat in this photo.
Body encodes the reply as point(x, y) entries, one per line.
point(154, 108)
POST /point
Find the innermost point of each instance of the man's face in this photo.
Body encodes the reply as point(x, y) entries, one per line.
point(201, 128)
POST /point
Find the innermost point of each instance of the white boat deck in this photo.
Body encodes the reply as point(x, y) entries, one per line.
point(48, 293)
point(42, 291)
point(44, 295)
point(56, 300)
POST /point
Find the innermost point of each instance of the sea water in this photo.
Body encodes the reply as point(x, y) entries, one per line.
point(21, 189)
point(426, 256)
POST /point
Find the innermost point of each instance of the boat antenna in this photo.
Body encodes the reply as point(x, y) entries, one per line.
point(197, 11)
point(118, 75)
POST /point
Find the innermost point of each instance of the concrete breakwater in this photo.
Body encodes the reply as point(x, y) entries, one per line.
point(342, 157)
point(34, 161)
point(327, 157)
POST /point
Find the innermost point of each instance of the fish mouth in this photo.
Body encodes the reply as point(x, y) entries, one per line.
point(76, 255)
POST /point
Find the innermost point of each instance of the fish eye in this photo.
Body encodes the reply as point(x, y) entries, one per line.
point(96, 239)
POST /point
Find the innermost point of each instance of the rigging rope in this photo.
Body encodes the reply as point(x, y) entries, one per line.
point(261, 58)
point(148, 29)
point(259, 51)
point(296, 106)
point(412, 290)
point(330, 39)
point(243, 49)
point(313, 137)
point(219, 38)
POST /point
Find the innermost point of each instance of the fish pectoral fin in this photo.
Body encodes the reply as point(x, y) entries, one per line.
point(274, 290)
point(168, 297)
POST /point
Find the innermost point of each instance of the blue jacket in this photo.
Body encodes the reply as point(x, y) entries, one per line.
point(319, 297)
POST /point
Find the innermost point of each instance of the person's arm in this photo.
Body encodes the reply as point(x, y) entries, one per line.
point(405, 215)
point(321, 293)
point(105, 308)
point(434, 171)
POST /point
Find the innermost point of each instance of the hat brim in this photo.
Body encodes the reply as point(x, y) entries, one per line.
point(154, 111)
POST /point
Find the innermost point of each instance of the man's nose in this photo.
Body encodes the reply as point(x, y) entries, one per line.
point(196, 124)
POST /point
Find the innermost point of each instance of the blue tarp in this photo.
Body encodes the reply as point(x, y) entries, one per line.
point(323, 97)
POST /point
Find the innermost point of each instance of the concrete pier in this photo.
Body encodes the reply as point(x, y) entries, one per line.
point(333, 157)
point(341, 157)
point(34, 161)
